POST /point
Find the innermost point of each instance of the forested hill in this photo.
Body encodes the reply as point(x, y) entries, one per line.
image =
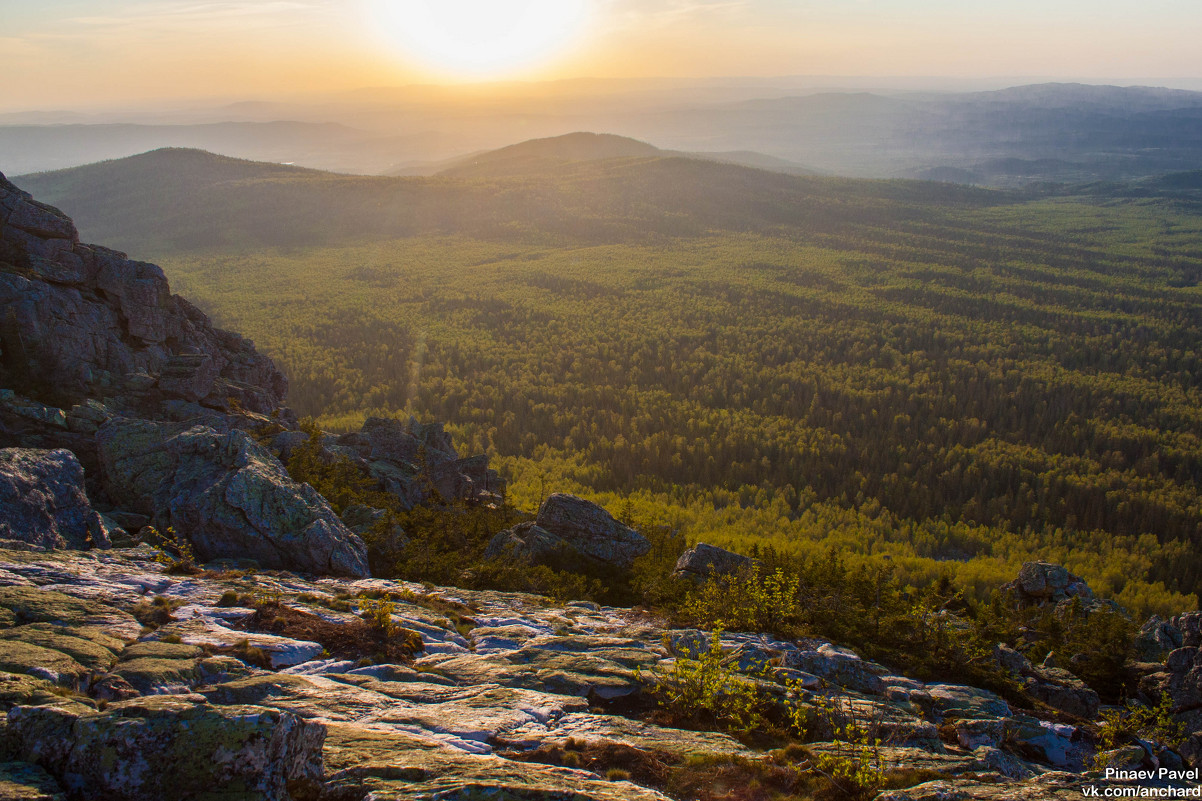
point(178, 199)
point(959, 379)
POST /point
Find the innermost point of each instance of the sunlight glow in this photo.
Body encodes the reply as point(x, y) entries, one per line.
point(481, 38)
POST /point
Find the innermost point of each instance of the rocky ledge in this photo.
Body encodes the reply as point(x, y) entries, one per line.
point(122, 680)
point(86, 321)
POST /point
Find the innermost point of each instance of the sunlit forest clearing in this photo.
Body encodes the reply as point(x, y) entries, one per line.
point(953, 379)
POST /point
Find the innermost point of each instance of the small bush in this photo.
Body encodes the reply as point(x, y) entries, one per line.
point(1122, 726)
point(156, 613)
point(752, 601)
point(706, 691)
point(177, 554)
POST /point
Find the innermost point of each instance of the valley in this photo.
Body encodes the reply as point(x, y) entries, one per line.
point(952, 379)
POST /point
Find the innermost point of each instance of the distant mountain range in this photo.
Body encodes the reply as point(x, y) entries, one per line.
point(582, 187)
point(1063, 133)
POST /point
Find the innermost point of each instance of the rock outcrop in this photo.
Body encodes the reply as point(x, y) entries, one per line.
point(43, 502)
point(414, 461)
point(228, 495)
point(149, 749)
point(1041, 583)
point(488, 700)
point(1056, 687)
point(703, 561)
point(570, 530)
point(85, 321)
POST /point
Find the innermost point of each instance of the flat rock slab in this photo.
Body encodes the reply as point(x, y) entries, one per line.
point(405, 768)
point(21, 605)
point(282, 651)
point(614, 729)
point(608, 674)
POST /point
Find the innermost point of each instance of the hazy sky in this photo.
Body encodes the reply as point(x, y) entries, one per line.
point(85, 53)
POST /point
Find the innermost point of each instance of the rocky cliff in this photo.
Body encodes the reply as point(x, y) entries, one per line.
point(159, 418)
point(82, 321)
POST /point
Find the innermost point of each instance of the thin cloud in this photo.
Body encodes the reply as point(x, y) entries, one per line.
point(669, 13)
point(166, 15)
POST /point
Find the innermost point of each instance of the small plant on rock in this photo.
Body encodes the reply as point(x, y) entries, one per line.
point(177, 554)
point(856, 767)
point(1122, 726)
point(706, 691)
point(378, 614)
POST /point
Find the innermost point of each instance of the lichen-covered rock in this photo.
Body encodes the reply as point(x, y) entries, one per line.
point(1062, 690)
point(24, 690)
point(839, 667)
point(702, 561)
point(966, 702)
point(154, 748)
point(88, 646)
point(402, 766)
point(973, 734)
point(1056, 687)
point(86, 321)
point(204, 631)
point(1181, 681)
point(413, 460)
point(226, 494)
point(1056, 744)
point(531, 544)
point(43, 502)
point(20, 605)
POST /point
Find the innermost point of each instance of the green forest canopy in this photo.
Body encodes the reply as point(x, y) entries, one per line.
point(957, 379)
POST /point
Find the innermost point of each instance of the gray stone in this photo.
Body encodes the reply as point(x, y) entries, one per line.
point(591, 530)
point(43, 503)
point(87, 321)
point(532, 544)
point(226, 494)
point(973, 734)
point(1039, 583)
point(702, 561)
point(1062, 690)
point(148, 749)
point(21, 781)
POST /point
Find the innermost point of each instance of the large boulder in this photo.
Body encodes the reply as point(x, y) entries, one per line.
point(703, 561)
point(570, 532)
point(226, 494)
point(531, 544)
point(82, 320)
point(1040, 583)
point(414, 460)
point(154, 748)
point(1181, 680)
point(43, 503)
point(1056, 687)
point(590, 530)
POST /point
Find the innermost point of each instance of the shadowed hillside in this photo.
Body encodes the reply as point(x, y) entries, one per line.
point(180, 199)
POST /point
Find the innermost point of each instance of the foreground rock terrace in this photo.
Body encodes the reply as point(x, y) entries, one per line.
point(499, 679)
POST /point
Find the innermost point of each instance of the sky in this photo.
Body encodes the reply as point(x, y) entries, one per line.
point(96, 53)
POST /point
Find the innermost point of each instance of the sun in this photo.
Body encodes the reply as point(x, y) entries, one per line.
point(481, 38)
